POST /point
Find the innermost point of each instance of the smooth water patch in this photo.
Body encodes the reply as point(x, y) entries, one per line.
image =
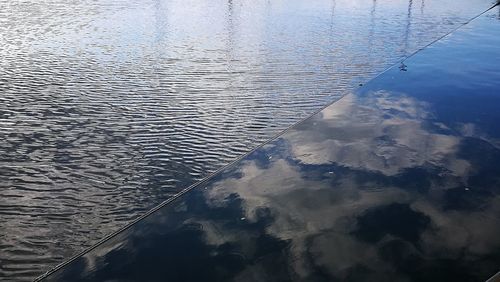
point(109, 107)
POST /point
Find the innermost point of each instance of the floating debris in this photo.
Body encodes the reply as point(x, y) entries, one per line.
point(403, 67)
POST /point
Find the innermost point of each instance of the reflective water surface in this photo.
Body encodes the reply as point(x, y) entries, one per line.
point(398, 181)
point(109, 107)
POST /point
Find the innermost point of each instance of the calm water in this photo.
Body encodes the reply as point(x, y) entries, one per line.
point(109, 107)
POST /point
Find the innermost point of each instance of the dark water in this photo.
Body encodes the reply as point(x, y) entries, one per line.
point(109, 107)
point(397, 181)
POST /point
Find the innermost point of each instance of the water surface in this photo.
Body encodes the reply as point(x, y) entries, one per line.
point(109, 107)
point(397, 181)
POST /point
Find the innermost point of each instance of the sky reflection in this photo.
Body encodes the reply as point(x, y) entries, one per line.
point(386, 184)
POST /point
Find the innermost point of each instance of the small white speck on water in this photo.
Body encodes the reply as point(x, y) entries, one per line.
point(467, 188)
point(243, 218)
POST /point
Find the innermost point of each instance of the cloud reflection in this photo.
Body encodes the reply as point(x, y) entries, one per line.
point(375, 188)
point(356, 218)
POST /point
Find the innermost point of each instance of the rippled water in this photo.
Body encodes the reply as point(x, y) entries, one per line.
point(109, 107)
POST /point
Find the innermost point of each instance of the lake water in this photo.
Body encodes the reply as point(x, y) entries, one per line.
point(399, 180)
point(108, 108)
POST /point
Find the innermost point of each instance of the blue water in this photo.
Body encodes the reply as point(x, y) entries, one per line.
point(108, 108)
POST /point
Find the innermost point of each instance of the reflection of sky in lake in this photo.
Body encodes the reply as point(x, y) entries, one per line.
point(399, 181)
point(110, 107)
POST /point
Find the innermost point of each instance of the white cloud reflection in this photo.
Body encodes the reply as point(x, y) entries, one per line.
point(388, 135)
point(318, 216)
